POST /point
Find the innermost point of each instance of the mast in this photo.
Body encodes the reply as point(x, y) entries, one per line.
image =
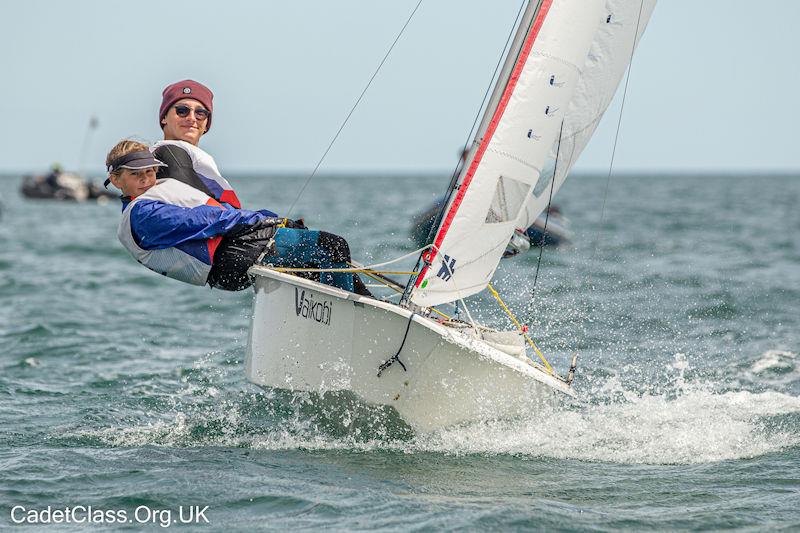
point(93, 123)
point(524, 28)
point(512, 56)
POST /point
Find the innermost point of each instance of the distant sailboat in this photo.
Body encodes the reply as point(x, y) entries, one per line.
point(549, 229)
point(561, 71)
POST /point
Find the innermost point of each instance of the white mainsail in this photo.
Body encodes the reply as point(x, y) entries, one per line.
point(608, 58)
point(519, 128)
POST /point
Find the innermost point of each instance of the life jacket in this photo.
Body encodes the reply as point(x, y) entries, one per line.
point(191, 263)
point(191, 165)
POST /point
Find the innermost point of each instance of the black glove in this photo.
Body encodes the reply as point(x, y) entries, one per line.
point(296, 224)
point(249, 230)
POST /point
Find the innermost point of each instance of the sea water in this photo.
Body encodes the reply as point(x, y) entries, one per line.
point(121, 390)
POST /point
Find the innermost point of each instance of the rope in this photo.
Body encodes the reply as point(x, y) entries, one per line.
point(521, 329)
point(374, 274)
point(389, 283)
point(398, 259)
point(381, 281)
point(347, 118)
point(619, 119)
point(469, 316)
point(396, 357)
point(351, 270)
point(547, 216)
point(363, 268)
point(588, 278)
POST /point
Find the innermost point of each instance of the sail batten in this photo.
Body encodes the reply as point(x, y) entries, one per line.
point(513, 144)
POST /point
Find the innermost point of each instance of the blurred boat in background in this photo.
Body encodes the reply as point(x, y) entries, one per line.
point(60, 185)
point(69, 186)
point(551, 228)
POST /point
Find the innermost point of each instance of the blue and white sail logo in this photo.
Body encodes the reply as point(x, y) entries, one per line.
point(447, 268)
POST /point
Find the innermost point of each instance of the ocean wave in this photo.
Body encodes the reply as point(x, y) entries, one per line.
point(776, 361)
point(693, 425)
point(698, 426)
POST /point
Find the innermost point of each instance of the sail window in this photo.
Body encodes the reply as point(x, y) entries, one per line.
point(509, 195)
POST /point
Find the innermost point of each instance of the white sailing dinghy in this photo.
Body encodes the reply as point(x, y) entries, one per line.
point(560, 74)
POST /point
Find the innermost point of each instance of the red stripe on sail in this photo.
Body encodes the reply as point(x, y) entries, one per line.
point(498, 114)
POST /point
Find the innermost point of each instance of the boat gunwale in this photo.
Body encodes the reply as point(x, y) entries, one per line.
point(478, 346)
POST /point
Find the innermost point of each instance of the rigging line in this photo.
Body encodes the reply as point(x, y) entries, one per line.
point(396, 357)
point(614, 149)
point(522, 330)
point(619, 119)
point(397, 259)
point(461, 162)
point(469, 316)
point(547, 215)
point(355, 105)
point(346, 270)
point(380, 276)
point(493, 120)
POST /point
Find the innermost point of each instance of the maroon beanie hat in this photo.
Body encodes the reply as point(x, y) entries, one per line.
point(186, 89)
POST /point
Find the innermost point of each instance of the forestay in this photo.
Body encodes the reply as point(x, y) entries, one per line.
point(521, 124)
point(609, 56)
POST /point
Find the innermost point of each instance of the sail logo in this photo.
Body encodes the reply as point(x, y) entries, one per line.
point(447, 268)
point(310, 309)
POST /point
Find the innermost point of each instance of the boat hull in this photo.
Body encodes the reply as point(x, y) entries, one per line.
point(306, 336)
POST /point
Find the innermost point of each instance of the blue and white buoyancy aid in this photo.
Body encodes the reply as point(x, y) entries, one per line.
point(171, 262)
point(195, 167)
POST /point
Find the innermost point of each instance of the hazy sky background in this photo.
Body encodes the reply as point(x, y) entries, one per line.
point(714, 84)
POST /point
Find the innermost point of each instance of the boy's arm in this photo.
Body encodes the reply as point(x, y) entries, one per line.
point(156, 225)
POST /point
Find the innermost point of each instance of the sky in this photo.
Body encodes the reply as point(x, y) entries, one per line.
point(713, 85)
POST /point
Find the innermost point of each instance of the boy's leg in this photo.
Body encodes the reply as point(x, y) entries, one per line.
point(335, 251)
point(313, 249)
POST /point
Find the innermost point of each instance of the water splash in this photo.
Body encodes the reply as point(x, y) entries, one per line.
point(776, 362)
point(693, 422)
point(697, 426)
point(774, 369)
point(687, 421)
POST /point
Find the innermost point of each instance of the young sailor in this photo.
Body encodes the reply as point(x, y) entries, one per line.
point(184, 117)
point(181, 232)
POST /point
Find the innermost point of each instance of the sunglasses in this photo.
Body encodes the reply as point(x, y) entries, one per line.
point(199, 113)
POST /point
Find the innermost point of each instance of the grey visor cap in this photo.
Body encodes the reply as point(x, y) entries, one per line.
point(134, 161)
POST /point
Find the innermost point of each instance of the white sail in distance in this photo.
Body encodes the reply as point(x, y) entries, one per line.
point(520, 125)
point(623, 24)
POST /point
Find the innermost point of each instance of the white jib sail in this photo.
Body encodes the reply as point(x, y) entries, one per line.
point(508, 159)
point(609, 57)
